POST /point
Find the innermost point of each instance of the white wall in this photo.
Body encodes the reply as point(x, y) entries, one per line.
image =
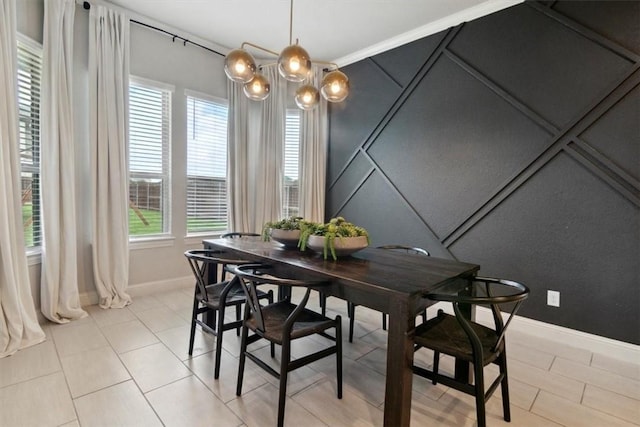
point(156, 57)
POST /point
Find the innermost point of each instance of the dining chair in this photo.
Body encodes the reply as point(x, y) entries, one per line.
point(238, 235)
point(281, 323)
point(211, 297)
point(351, 308)
point(466, 340)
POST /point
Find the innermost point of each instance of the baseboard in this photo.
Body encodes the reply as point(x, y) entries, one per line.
point(142, 289)
point(564, 336)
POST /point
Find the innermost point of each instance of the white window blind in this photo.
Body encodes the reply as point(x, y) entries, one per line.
point(29, 71)
point(290, 200)
point(206, 165)
point(149, 159)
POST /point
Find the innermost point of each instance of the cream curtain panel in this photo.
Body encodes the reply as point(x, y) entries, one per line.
point(19, 326)
point(269, 174)
point(59, 298)
point(109, 115)
point(238, 158)
point(255, 159)
point(313, 157)
point(256, 155)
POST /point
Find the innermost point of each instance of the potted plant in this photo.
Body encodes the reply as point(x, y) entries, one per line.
point(285, 231)
point(337, 237)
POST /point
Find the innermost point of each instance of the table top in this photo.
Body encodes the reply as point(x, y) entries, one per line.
point(376, 270)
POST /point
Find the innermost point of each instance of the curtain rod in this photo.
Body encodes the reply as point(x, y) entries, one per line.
point(86, 5)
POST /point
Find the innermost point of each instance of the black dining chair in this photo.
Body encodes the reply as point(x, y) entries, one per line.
point(238, 235)
point(281, 323)
point(458, 336)
point(351, 308)
point(211, 297)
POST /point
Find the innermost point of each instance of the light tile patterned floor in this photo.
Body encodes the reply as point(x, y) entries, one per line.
point(130, 367)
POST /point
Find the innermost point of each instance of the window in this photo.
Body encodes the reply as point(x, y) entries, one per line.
point(290, 200)
point(206, 164)
point(149, 160)
point(29, 69)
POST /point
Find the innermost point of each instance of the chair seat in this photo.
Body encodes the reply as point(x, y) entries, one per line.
point(444, 334)
point(234, 297)
point(274, 316)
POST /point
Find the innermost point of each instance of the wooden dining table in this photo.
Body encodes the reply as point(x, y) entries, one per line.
point(387, 281)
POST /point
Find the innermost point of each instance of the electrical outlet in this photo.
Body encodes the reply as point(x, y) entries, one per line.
point(553, 298)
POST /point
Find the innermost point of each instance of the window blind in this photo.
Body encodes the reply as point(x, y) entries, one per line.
point(290, 200)
point(206, 165)
point(149, 159)
point(29, 72)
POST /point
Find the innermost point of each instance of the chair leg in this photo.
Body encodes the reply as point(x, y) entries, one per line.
point(192, 335)
point(351, 312)
point(284, 374)
point(323, 303)
point(219, 333)
point(504, 385)
point(242, 359)
point(480, 396)
point(238, 317)
point(436, 364)
point(384, 322)
point(339, 355)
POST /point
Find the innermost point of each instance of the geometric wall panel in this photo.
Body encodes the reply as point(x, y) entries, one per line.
point(619, 21)
point(537, 59)
point(438, 133)
point(372, 93)
point(385, 211)
point(611, 134)
point(566, 230)
point(514, 143)
point(403, 63)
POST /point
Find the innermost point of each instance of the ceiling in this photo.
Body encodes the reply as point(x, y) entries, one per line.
point(341, 31)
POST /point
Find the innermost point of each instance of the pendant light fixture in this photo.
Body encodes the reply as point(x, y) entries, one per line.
point(295, 65)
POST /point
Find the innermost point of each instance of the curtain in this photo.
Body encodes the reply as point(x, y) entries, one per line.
point(59, 299)
point(19, 326)
point(313, 157)
point(255, 162)
point(268, 185)
point(109, 114)
point(238, 158)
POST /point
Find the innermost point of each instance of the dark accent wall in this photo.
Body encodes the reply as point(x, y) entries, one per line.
point(511, 141)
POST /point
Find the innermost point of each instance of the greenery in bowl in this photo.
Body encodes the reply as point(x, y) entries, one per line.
point(336, 228)
point(291, 223)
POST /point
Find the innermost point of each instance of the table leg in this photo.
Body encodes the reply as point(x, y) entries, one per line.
point(397, 400)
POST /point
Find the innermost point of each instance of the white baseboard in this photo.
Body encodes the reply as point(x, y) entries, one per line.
point(563, 336)
point(142, 289)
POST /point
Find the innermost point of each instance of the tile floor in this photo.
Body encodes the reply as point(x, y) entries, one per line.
point(130, 367)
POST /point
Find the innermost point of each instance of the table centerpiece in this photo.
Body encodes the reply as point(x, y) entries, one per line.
point(286, 231)
point(338, 237)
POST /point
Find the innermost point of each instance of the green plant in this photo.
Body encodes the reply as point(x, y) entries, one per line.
point(292, 223)
point(336, 228)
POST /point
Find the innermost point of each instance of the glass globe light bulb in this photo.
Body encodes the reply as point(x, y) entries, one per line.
point(239, 66)
point(335, 86)
point(307, 97)
point(258, 88)
point(294, 63)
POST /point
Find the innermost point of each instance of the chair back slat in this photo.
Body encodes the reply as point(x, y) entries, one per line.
point(506, 325)
point(250, 289)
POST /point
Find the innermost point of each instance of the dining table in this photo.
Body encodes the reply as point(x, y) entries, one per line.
point(387, 281)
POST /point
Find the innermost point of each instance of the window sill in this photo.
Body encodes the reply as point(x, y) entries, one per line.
point(151, 242)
